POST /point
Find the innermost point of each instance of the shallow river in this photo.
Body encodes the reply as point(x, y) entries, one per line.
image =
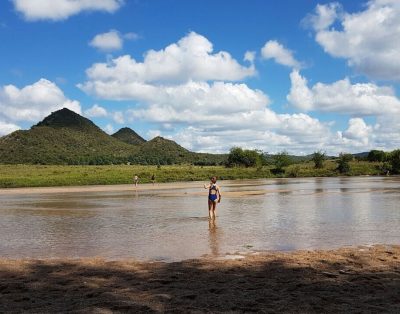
point(170, 223)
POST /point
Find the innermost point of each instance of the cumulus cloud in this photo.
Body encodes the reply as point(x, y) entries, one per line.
point(109, 129)
point(57, 10)
point(386, 132)
point(109, 41)
point(357, 134)
point(276, 51)
point(118, 117)
point(343, 97)
point(324, 16)
point(191, 58)
point(208, 130)
point(96, 111)
point(34, 102)
point(190, 87)
point(6, 128)
point(179, 92)
point(368, 39)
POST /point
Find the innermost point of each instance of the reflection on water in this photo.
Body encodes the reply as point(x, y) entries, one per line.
point(213, 237)
point(279, 214)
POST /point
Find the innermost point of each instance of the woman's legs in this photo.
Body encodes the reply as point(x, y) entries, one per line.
point(214, 208)
point(211, 209)
point(210, 206)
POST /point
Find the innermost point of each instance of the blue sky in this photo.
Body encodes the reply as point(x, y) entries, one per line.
point(274, 75)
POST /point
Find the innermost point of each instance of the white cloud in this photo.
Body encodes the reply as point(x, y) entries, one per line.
point(343, 97)
point(368, 39)
point(56, 10)
point(191, 58)
point(131, 36)
point(386, 132)
point(324, 16)
point(34, 102)
point(357, 134)
point(153, 133)
point(109, 41)
point(6, 128)
point(118, 117)
point(276, 51)
point(250, 56)
point(96, 111)
point(203, 111)
point(109, 129)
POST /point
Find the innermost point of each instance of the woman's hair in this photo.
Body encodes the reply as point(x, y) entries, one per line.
point(213, 178)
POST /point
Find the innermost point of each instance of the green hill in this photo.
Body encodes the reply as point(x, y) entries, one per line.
point(129, 136)
point(65, 137)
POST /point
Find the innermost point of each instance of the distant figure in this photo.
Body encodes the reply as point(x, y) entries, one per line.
point(136, 180)
point(214, 196)
point(153, 179)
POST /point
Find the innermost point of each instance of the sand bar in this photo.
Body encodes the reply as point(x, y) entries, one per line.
point(141, 187)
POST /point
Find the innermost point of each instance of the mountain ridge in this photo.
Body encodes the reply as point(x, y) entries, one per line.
point(65, 137)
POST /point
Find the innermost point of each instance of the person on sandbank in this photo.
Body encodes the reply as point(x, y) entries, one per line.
point(214, 197)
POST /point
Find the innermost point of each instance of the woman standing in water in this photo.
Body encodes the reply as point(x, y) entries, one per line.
point(214, 196)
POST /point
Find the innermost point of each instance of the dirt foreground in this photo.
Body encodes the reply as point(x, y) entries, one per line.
point(352, 280)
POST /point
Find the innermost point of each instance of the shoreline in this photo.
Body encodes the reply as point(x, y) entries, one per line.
point(348, 279)
point(158, 186)
point(16, 176)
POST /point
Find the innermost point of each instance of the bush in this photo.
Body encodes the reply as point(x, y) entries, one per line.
point(244, 157)
point(293, 172)
point(377, 155)
point(318, 158)
point(281, 160)
point(343, 163)
point(395, 161)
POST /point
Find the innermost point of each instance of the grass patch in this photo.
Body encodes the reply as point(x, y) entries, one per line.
point(38, 175)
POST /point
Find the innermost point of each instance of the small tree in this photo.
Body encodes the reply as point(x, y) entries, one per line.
point(343, 163)
point(318, 158)
point(281, 160)
point(376, 155)
point(244, 157)
point(395, 161)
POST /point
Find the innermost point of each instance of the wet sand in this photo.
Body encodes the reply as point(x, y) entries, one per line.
point(352, 280)
point(141, 187)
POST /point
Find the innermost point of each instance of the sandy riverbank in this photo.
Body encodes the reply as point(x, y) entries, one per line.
point(344, 280)
point(161, 187)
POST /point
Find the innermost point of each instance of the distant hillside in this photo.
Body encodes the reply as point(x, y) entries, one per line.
point(65, 137)
point(129, 136)
point(361, 155)
point(164, 151)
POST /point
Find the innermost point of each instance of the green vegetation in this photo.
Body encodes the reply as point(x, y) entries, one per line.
point(129, 136)
point(39, 175)
point(318, 158)
point(58, 175)
point(244, 157)
point(377, 155)
point(394, 158)
point(281, 160)
point(66, 138)
point(343, 163)
point(82, 154)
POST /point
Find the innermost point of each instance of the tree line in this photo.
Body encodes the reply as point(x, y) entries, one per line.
point(239, 157)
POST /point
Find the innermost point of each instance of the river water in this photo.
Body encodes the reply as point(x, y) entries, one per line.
point(170, 222)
